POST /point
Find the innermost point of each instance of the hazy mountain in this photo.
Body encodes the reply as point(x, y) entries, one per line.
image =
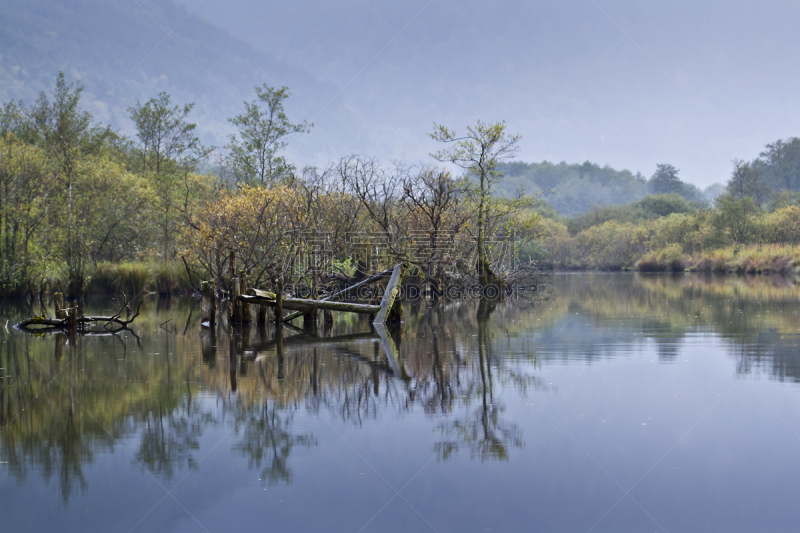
point(623, 84)
point(124, 51)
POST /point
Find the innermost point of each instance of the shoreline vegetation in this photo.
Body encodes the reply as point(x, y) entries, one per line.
point(85, 209)
point(172, 279)
point(134, 278)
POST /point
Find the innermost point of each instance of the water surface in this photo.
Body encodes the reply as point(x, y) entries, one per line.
point(623, 403)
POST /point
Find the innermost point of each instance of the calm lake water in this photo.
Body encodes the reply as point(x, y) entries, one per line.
point(623, 403)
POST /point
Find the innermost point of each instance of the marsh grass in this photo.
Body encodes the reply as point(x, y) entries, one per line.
point(752, 259)
point(133, 278)
point(669, 259)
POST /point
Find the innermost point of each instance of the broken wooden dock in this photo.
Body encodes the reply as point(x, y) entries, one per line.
point(389, 309)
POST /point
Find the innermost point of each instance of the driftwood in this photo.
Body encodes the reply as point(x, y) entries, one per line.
point(72, 320)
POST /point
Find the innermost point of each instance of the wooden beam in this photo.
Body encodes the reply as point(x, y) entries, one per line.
point(392, 288)
point(304, 304)
point(351, 288)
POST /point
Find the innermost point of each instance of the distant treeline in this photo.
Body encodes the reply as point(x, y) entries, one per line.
point(573, 189)
point(753, 224)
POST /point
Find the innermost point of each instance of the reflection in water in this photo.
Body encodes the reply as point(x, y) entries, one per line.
point(267, 440)
point(482, 430)
point(64, 399)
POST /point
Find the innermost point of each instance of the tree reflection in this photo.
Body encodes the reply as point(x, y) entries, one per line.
point(483, 430)
point(169, 439)
point(267, 440)
point(64, 401)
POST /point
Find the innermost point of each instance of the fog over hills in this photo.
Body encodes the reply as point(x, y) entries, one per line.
point(625, 84)
point(124, 51)
point(694, 84)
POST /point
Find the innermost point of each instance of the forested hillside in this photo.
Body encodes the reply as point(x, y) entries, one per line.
point(753, 224)
point(573, 189)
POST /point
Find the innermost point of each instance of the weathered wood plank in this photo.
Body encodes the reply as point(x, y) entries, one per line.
point(304, 304)
point(344, 292)
point(392, 288)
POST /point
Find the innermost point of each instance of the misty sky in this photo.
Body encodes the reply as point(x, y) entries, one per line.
point(624, 83)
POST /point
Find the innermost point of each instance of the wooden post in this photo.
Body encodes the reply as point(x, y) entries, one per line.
point(392, 288)
point(310, 318)
point(208, 313)
point(73, 314)
point(234, 305)
point(310, 321)
point(261, 314)
point(58, 301)
point(279, 304)
point(245, 314)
